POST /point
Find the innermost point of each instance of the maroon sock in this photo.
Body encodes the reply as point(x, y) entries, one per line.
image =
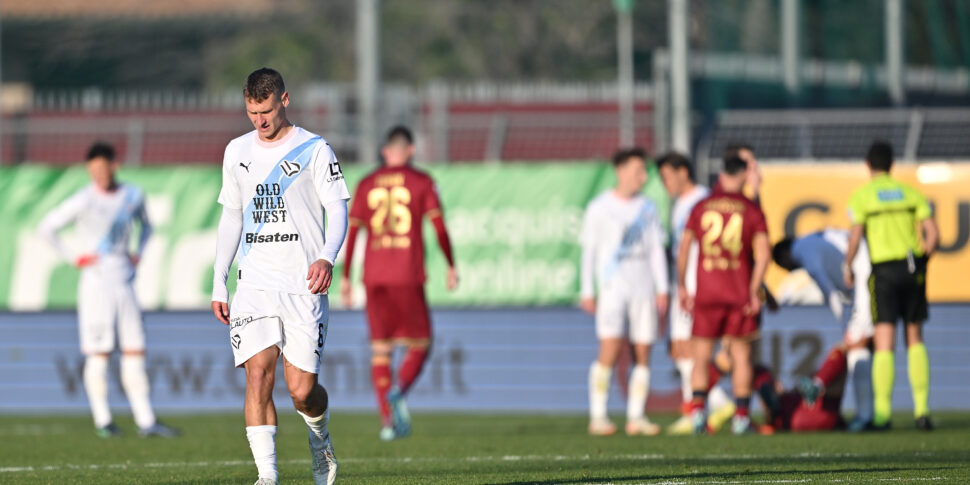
point(380, 374)
point(411, 367)
point(833, 367)
point(762, 377)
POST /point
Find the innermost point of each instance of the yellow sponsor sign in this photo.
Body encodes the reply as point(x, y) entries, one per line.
point(800, 199)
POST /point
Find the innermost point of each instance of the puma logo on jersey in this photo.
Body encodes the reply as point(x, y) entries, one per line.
point(290, 168)
point(245, 166)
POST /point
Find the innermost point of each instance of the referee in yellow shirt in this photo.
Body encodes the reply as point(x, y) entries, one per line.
point(893, 217)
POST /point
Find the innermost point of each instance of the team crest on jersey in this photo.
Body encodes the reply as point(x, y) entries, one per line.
point(290, 168)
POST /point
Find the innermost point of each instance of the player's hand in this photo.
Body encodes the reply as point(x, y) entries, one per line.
point(346, 292)
point(848, 277)
point(221, 310)
point(452, 279)
point(86, 260)
point(134, 258)
point(753, 307)
point(663, 305)
point(588, 305)
point(770, 301)
point(685, 300)
point(319, 275)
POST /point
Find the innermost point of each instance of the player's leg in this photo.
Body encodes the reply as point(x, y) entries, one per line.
point(642, 315)
point(741, 381)
point(919, 374)
point(260, 412)
point(610, 322)
point(702, 349)
point(415, 327)
point(886, 309)
point(858, 337)
point(380, 322)
point(96, 333)
point(134, 378)
point(832, 373)
point(305, 324)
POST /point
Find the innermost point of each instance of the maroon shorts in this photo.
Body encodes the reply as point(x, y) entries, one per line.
point(716, 321)
point(814, 418)
point(397, 312)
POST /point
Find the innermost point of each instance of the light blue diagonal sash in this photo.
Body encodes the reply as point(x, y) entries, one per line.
point(121, 221)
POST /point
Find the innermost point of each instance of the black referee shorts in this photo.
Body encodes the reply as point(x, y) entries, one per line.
point(898, 290)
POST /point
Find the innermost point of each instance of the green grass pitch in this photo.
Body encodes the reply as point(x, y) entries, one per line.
point(479, 449)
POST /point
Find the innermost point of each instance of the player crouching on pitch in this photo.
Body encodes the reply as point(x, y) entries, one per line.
point(623, 250)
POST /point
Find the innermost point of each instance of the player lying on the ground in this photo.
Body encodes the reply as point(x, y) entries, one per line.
point(391, 203)
point(103, 214)
point(624, 284)
point(822, 254)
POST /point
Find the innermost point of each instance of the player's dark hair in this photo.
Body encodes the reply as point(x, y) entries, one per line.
point(101, 149)
point(734, 148)
point(781, 254)
point(622, 156)
point(263, 83)
point(880, 155)
point(734, 165)
point(677, 161)
point(400, 131)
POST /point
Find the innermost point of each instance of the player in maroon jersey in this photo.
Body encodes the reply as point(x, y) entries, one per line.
point(391, 203)
point(734, 254)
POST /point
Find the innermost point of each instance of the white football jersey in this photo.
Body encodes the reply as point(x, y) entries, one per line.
point(281, 188)
point(627, 243)
point(681, 212)
point(103, 222)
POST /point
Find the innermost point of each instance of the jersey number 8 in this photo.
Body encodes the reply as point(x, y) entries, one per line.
point(390, 208)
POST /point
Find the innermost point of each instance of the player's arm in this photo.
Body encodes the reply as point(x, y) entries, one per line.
point(227, 242)
point(762, 255)
point(320, 273)
point(931, 233)
point(683, 254)
point(658, 265)
point(145, 233)
point(332, 192)
point(63, 215)
point(855, 238)
point(813, 265)
point(587, 264)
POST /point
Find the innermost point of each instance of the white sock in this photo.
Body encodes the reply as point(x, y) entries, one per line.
point(262, 440)
point(860, 367)
point(318, 429)
point(637, 392)
point(135, 381)
point(599, 390)
point(685, 367)
point(96, 385)
point(717, 399)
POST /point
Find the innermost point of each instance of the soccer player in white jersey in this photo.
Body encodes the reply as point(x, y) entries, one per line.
point(678, 177)
point(103, 214)
point(278, 183)
point(623, 252)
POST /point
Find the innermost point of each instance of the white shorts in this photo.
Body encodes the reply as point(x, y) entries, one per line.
point(297, 324)
point(103, 306)
point(616, 313)
point(860, 320)
point(681, 321)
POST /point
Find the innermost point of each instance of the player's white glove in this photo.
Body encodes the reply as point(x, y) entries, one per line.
point(835, 304)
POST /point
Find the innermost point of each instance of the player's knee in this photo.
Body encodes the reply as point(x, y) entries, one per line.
point(302, 393)
point(259, 377)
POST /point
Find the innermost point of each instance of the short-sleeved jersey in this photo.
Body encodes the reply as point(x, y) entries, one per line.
point(281, 188)
point(890, 211)
point(725, 225)
point(627, 243)
point(103, 222)
point(392, 203)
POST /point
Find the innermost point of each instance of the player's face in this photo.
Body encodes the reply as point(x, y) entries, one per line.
point(673, 180)
point(397, 153)
point(269, 115)
point(102, 172)
point(632, 175)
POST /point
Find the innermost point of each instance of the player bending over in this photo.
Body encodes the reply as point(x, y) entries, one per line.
point(822, 254)
point(391, 203)
point(623, 250)
point(278, 183)
point(103, 214)
point(732, 260)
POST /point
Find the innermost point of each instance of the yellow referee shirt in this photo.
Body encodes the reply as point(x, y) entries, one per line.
point(890, 211)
